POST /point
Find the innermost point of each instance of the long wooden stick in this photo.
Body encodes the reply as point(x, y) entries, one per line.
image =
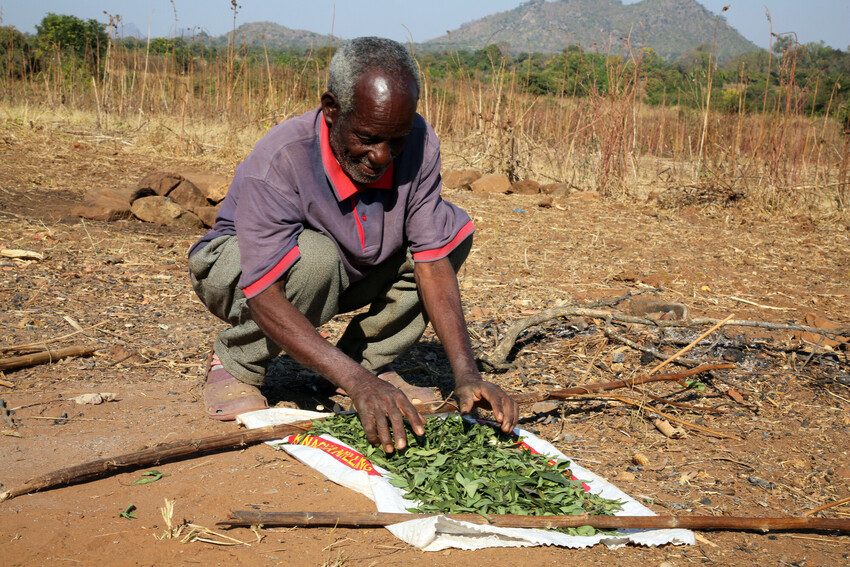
point(192, 447)
point(13, 362)
point(566, 393)
point(382, 519)
point(500, 354)
point(164, 453)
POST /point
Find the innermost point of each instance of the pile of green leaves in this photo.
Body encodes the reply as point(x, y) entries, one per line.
point(461, 467)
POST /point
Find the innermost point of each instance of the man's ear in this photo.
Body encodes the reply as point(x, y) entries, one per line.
point(330, 107)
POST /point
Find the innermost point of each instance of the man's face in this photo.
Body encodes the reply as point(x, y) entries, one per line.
point(374, 132)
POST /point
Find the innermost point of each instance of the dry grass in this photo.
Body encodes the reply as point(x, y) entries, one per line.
point(782, 160)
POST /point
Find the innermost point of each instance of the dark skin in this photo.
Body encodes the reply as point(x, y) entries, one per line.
point(365, 142)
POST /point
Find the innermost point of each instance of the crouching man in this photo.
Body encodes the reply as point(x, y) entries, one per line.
point(335, 210)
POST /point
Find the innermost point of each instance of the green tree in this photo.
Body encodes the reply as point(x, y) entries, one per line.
point(87, 40)
point(16, 56)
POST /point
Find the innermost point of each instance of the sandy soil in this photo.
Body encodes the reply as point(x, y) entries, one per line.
point(127, 278)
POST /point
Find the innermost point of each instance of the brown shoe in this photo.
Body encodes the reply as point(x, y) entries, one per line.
point(225, 396)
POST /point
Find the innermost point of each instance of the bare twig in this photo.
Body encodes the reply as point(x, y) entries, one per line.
point(382, 519)
point(637, 403)
point(576, 391)
point(42, 344)
point(691, 345)
point(47, 356)
point(827, 506)
point(499, 356)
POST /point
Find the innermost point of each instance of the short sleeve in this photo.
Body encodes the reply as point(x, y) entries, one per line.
point(268, 222)
point(434, 227)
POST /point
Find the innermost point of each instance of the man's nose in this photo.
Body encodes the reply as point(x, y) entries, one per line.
point(380, 155)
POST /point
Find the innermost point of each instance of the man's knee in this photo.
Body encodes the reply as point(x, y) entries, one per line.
point(316, 281)
point(319, 259)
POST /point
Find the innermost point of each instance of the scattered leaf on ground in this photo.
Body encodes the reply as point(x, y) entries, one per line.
point(127, 513)
point(149, 477)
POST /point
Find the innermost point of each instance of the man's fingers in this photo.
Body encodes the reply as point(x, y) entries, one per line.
point(414, 418)
point(497, 403)
point(384, 433)
point(514, 413)
point(369, 428)
point(399, 434)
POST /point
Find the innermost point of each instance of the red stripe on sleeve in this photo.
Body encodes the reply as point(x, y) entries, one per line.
point(442, 252)
point(272, 275)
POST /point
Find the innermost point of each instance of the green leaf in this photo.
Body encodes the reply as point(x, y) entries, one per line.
point(149, 477)
point(458, 466)
point(585, 531)
point(128, 512)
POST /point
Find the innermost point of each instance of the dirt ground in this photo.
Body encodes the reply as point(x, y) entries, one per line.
point(125, 283)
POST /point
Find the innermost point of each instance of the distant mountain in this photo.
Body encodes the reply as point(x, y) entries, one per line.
point(276, 36)
point(671, 27)
point(130, 30)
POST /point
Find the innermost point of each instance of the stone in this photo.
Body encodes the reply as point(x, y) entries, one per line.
point(656, 309)
point(545, 202)
point(526, 187)
point(163, 211)
point(106, 204)
point(160, 182)
point(556, 189)
point(489, 184)
point(586, 196)
point(460, 178)
point(213, 186)
point(208, 214)
point(188, 196)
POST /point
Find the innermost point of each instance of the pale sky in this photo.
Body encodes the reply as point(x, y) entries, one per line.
point(813, 20)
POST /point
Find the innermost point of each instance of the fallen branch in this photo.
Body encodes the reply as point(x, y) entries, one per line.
point(827, 506)
point(612, 334)
point(642, 404)
point(159, 454)
point(690, 345)
point(575, 391)
point(247, 518)
point(498, 358)
point(47, 356)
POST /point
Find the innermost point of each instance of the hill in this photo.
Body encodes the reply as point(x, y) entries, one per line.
point(276, 36)
point(671, 27)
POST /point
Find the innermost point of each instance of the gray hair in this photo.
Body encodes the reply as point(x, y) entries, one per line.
point(363, 54)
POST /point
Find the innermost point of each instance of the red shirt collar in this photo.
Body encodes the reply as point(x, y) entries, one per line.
point(341, 182)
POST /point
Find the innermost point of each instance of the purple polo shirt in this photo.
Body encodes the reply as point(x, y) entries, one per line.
point(292, 181)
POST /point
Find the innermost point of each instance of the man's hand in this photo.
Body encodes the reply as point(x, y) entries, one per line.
point(438, 287)
point(380, 406)
point(489, 396)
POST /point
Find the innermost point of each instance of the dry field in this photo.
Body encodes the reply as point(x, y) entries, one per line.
point(125, 283)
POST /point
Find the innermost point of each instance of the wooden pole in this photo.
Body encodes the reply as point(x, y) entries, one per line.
point(242, 518)
point(13, 362)
point(164, 453)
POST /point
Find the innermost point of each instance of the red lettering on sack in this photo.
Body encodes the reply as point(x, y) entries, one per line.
point(349, 457)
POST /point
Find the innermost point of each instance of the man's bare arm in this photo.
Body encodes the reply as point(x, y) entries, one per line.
point(376, 401)
point(438, 288)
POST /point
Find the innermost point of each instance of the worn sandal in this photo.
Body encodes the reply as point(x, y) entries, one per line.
point(225, 396)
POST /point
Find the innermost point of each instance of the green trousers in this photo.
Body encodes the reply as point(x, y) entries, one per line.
point(317, 285)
